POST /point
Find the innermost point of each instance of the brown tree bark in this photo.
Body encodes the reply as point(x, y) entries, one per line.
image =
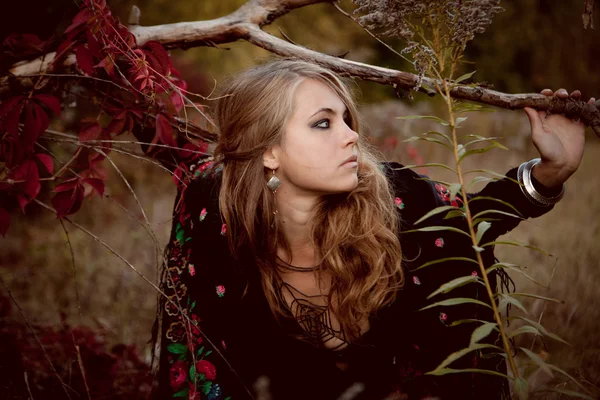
point(245, 24)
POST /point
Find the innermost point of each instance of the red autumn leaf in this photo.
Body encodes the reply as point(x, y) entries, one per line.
point(46, 160)
point(164, 131)
point(4, 221)
point(69, 201)
point(7, 105)
point(85, 60)
point(108, 65)
point(90, 132)
point(49, 101)
point(81, 18)
point(97, 184)
point(10, 121)
point(116, 125)
point(69, 184)
point(30, 188)
point(93, 45)
point(36, 122)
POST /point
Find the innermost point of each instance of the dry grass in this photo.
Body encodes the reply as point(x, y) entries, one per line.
point(35, 259)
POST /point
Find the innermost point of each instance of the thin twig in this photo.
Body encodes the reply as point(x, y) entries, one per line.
point(156, 288)
point(80, 361)
point(74, 270)
point(62, 384)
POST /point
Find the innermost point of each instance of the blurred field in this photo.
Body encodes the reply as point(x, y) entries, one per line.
point(35, 260)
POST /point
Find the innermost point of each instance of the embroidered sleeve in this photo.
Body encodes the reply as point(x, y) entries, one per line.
point(191, 354)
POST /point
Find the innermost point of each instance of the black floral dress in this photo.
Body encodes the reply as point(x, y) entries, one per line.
point(219, 336)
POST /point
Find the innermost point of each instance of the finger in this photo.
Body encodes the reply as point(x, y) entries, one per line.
point(547, 92)
point(561, 93)
point(591, 100)
point(576, 94)
point(534, 118)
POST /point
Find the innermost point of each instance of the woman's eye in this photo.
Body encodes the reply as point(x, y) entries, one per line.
point(323, 124)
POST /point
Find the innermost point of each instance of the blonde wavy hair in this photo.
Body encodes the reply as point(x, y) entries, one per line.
point(354, 234)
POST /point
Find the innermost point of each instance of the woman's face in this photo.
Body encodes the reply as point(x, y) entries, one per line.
point(316, 144)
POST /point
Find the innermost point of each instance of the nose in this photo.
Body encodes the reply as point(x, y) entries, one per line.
point(350, 137)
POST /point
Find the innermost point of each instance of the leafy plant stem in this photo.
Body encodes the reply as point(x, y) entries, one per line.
point(484, 276)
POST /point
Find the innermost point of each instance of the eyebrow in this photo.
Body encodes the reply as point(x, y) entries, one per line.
point(329, 111)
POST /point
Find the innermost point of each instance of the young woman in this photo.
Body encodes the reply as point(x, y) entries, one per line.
point(290, 265)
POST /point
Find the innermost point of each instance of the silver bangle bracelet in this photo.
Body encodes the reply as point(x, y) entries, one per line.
point(524, 178)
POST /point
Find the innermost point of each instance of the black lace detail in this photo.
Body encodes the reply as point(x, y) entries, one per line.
point(315, 319)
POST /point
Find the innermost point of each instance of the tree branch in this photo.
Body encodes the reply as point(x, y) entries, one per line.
point(245, 24)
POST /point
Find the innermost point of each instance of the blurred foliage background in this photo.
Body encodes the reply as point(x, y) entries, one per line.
point(534, 44)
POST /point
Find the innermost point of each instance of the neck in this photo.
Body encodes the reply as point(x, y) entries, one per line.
point(295, 212)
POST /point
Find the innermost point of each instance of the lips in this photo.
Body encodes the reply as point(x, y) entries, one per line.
point(351, 159)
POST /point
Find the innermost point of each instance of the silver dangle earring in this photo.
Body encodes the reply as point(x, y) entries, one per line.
point(274, 184)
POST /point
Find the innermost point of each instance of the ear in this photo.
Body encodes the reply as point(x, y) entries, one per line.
point(270, 158)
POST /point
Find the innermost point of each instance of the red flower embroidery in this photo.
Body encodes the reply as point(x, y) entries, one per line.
point(178, 374)
point(202, 214)
point(191, 269)
point(474, 273)
point(223, 229)
point(439, 242)
point(206, 368)
point(416, 280)
point(399, 203)
point(443, 317)
point(220, 290)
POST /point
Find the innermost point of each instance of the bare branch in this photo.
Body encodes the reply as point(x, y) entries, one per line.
point(588, 14)
point(246, 22)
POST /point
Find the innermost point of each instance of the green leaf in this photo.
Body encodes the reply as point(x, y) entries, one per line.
point(524, 329)
point(544, 331)
point(480, 139)
point(182, 393)
point(464, 77)
point(193, 305)
point(569, 393)
point(478, 249)
point(521, 388)
point(453, 284)
point(505, 299)
point(442, 135)
point(535, 296)
point(435, 211)
point(455, 301)
point(454, 189)
point(207, 353)
point(459, 121)
point(461, 353)
point(494, 145)
point(206, 387)
point(200, 350)
point(516, 243)
point(481, 229)
point(454, 214)
point(445, 371)
point(179, 233)
point(425, 165)
point(428, 139)
point(437, 228)
point(429, 117)
point(482, 332)
point(490, 172)
point(441, 260)
point(497, 200)
point(513, 267)
point(479, 214)
point(538, 360)
point(478, 220)
point(177, 348)
point(192, 373)
point(464, 321)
